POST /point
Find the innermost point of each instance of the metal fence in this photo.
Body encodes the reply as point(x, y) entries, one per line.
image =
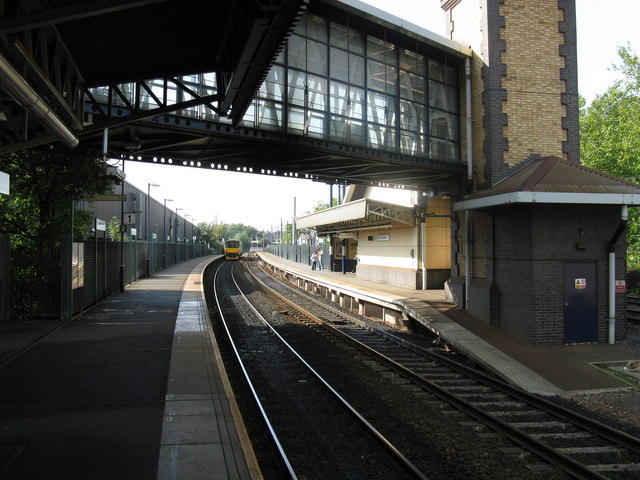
point(55, 278)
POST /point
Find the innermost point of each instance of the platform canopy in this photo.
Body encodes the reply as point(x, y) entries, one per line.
point(358, 215)
point(554, 180)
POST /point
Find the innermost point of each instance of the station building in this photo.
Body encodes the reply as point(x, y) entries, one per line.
point(528, 239)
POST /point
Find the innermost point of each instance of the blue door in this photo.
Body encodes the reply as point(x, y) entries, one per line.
point(581, 302)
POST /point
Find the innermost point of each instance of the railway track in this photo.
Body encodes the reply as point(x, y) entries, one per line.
point(294, 391)
point(563, 439)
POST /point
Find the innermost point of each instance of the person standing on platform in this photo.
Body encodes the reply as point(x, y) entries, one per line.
point(314, 259)
point(320, 253)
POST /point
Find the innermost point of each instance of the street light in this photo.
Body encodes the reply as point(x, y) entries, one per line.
point(186, 241)
point(149, 185)
point(193, 240)
point(177, 235)
point(164, 233)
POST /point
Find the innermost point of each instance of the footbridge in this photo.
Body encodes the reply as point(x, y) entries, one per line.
point(334, 91)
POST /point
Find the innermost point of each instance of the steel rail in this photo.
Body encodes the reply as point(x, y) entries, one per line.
point(263, 412)
point(404, 461)
point(570, 466)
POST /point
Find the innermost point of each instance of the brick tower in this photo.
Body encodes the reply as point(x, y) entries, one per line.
point(524, 73)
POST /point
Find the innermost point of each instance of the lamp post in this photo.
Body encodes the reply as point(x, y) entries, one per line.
point(164, 233)
point(186, 241)
point(193, 240)
point(149, 185)
point(177, 234)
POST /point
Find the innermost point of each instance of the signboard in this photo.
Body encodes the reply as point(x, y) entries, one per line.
point(621, 286)
point(384, 238)
point(4, 183)
point(581, 283)
point(101, 225)
point(133, 232)
point(129, 218)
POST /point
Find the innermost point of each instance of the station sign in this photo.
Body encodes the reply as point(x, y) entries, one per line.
point(129, 218)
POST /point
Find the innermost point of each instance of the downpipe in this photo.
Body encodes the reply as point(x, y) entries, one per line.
point(612, 273)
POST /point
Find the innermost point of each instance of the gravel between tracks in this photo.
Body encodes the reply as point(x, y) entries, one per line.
point(444, 446)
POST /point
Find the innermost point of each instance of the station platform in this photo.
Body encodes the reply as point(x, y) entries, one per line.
point(547, 370)
point(132, 389)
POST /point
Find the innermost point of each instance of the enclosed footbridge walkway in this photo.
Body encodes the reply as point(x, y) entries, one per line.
point(334, 91)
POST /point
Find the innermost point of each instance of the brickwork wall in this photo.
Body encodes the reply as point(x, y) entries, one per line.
point(514, 276)
point(556, 232)
point(534, 88)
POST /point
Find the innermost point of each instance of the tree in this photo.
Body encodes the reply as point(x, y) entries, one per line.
point(44, 183)
point(610, 137)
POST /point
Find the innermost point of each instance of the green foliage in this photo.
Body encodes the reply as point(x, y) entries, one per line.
point(44, 184)
point(610, 137)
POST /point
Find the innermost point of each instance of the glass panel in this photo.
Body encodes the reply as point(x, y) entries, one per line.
point(411, 116)
point(315, 127)
point(356, 106)
point(269, 114)
point(296, 52)
point(249, 117)
point(296, 120)
point(297, 81)
point(317, 92)
point(317, 28)
point(380, 50)
point(443, 73)
point(411, 86)
point(442, 124)
point(452, 99)
point(273, 86)
point(339, 98)
point(409, 143)
point(339, 65)
point(380, 109)
point(438, 97)
point(346, 38)
point(316, 58)
point(442, 149)
point(381, 137)
point(356, 70)
point(411, 62)
point(376, 75)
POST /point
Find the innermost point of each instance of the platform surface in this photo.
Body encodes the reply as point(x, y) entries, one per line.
point(131, 389)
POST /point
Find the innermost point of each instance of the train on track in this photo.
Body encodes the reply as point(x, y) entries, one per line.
point(232, 249)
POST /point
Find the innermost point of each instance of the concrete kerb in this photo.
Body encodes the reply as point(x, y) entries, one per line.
point(197, 438)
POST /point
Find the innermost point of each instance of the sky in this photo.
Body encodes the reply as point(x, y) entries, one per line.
point(264, 201)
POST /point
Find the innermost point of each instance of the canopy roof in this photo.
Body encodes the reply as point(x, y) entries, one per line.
point(357, 215)
point(554, 180)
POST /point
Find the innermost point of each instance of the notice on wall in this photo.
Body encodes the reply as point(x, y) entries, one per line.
point(621, 286)
point(581, 283)
point(384, 238)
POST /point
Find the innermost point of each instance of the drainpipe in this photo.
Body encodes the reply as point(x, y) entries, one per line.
point(612, 274)
point(467, 213)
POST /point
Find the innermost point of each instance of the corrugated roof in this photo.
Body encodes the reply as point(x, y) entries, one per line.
point(554, 180)
point(555, 174)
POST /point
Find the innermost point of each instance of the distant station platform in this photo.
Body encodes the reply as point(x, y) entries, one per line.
point(547, 370)
point(134, 388)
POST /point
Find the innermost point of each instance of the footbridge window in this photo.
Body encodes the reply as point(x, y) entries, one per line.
point(337, 83)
